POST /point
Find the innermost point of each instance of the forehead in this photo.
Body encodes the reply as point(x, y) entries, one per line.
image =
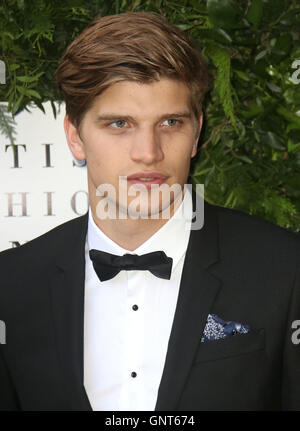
point(130, 97)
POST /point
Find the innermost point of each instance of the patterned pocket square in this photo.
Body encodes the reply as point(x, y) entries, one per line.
point(217, 328)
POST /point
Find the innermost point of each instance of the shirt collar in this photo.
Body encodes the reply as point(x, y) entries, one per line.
point(172, 237)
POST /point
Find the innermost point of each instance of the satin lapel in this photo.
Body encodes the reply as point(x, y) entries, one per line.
point(198, 289)
point(67, 295)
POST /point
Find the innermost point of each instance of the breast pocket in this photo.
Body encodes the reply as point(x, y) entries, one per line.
point(239, 344)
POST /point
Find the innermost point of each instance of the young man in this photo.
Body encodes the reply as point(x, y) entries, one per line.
point(143, 313)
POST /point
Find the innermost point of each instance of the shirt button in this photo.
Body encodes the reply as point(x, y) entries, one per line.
point(133, 374)
point(135, 307)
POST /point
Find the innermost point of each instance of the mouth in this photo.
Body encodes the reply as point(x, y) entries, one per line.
point(147, 178)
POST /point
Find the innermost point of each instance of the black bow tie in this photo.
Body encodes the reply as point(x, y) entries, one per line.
point(108, 265)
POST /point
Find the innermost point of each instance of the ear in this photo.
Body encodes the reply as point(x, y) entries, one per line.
point(74, 141)
point(198, 131)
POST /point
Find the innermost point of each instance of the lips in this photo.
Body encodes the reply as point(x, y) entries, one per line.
point(147, 178)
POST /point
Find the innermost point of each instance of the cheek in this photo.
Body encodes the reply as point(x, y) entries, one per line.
point(181, 155)
point(104, 161)
point(181, 163)
point(181, 143)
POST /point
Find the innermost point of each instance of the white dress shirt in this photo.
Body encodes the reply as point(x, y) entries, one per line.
point(128, 319)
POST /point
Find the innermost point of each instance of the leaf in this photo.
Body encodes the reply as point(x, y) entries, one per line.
point(293, 126)
point(289, 116)
point(7, 124)
point(255, 12)
point(291, 17)
point(224, 34)
point(53, 108)
point(273, 9)
point(260, 55)
point(185, 27)
point(273, 87)
point(209, 176)
point(6, 33)
point(16, 105)
point(217, 34)
point(293, 148)
point(221, 59)
point(223, 13)
point(229, 199)
point(21, 90)
point(26, 78)
point(242, 75)
point(13, 67)
point(202, 172)
point(283, 45)
point(272, 140)
point(29, 78)
point(40, 106)
point(33, 93)
point(253, 110)
point(20, 4)
point(244, 159)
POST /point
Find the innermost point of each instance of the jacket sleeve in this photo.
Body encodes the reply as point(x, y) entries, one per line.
point(8, 397)
point(291, 356)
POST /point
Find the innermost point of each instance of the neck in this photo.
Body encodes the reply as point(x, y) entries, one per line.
point(131, 233)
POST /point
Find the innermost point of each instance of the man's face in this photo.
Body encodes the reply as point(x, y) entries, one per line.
point(137, 128)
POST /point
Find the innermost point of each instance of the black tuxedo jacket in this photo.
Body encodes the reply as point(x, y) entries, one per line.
point(237, 266)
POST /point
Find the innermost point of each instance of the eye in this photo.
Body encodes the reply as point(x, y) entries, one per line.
point(171, 122)
point(119, 124)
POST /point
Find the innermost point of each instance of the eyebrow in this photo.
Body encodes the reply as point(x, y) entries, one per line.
point(111, 116)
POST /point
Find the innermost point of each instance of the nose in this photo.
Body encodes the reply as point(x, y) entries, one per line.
point(146, 147)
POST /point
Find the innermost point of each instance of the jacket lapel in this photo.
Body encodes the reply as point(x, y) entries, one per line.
point(67, 298)
point(198, 289)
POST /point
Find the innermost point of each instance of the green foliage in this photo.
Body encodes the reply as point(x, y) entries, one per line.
point(221, 60)
point(7, 124)
point(250, 157)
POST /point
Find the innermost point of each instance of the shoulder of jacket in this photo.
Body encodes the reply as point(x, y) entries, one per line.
point(47, 241)
point(253, 228)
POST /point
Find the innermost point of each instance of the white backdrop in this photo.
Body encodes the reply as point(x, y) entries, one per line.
point(40, 187)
